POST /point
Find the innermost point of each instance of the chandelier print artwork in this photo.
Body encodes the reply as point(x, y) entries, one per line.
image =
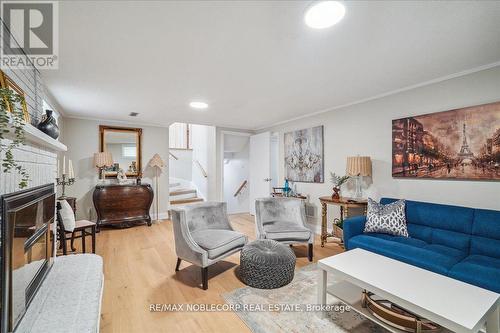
point(304, 155)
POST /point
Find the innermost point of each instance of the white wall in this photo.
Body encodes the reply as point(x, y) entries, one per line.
point(204, 151)
point(220, 132)
point(183, 167)
point(235, 172)
point(365, 129)
point(82, 139)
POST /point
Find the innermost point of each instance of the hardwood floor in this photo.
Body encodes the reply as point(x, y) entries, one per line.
point(139, 270)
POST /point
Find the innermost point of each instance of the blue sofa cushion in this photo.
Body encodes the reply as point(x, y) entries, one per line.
point(452, 239)
point(453, 218)
point(482, 271)
point(486, 233)
point(436, 258)
point(353, 226)
point(400, 239)
point(445, 225)
point(445, 250)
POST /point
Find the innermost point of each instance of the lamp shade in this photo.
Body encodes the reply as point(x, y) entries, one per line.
point(103, 159)
point(359, 166)
point(156, 162)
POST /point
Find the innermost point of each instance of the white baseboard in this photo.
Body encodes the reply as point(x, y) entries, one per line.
point(161, 216)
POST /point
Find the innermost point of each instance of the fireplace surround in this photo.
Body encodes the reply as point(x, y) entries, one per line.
point(27, 245)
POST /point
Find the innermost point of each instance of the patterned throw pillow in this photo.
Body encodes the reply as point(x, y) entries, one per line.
point(387, 219)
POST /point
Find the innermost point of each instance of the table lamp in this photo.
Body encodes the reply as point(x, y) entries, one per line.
point(357, 167)
point(101, 161)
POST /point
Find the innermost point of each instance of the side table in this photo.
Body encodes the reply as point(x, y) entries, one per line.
point(345, 204)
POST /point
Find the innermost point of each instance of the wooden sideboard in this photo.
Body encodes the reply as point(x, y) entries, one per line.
point(123, 205)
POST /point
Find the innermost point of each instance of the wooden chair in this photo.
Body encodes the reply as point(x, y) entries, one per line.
point(81, 226)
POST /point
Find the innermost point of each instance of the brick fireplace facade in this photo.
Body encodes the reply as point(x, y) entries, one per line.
point(40, 162)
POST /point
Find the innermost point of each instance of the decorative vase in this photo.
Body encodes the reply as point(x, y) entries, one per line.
point(336, 193)
point(49, 125)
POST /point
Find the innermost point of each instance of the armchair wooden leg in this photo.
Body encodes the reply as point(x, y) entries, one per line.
point(84, 234)
point(204, 277)
point(73, 248)
point(178, 264)
point(310, 252)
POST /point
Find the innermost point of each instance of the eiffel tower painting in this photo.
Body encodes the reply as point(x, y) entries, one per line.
point(465, 153)
point(457, 144)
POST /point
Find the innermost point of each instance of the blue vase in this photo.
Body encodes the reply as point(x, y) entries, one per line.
point(287, 188)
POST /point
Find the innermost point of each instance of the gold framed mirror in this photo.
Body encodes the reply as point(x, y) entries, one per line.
point(124, 144)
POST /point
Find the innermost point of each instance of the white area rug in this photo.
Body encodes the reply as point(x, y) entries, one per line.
point(301, 291)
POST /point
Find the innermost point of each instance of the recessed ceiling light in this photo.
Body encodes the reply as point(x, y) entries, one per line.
point(324, 14)
point(198, 105)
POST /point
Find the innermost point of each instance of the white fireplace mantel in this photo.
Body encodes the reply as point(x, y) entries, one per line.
point(35, 136)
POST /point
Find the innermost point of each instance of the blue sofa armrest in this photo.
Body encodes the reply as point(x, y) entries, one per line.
point(352, 227)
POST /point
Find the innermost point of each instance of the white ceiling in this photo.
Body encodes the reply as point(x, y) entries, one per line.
point(255, 62)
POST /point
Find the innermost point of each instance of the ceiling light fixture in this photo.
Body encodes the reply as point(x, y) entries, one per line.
point(324, 14)
point(198, 105)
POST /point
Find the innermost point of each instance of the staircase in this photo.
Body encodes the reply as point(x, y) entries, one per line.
point(182, 194)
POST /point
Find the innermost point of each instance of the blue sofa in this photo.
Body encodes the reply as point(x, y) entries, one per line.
point(459, 242)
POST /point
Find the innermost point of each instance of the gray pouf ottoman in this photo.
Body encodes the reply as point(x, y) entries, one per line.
point(266, 264)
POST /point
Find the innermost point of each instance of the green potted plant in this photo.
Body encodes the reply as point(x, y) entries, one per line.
point(12, 120)
point(338, 229)
point(337, 182)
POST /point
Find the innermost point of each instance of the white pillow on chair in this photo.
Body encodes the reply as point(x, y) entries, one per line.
point(67, 216)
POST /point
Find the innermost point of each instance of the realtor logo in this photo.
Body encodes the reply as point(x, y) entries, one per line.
point(29, 35)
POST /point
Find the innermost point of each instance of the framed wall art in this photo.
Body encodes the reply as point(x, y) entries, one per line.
point(304, 157)
point(457, 144)
point(7, 82)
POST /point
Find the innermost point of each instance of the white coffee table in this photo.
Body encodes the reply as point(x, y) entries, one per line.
point(453, 304)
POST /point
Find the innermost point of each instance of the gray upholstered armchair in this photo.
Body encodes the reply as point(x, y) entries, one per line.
point(203, 235)
point(283, 220)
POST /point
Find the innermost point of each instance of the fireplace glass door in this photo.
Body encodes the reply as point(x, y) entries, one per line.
point(27, 245)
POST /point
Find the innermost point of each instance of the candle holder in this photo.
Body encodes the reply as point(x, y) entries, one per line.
point(65, 181)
